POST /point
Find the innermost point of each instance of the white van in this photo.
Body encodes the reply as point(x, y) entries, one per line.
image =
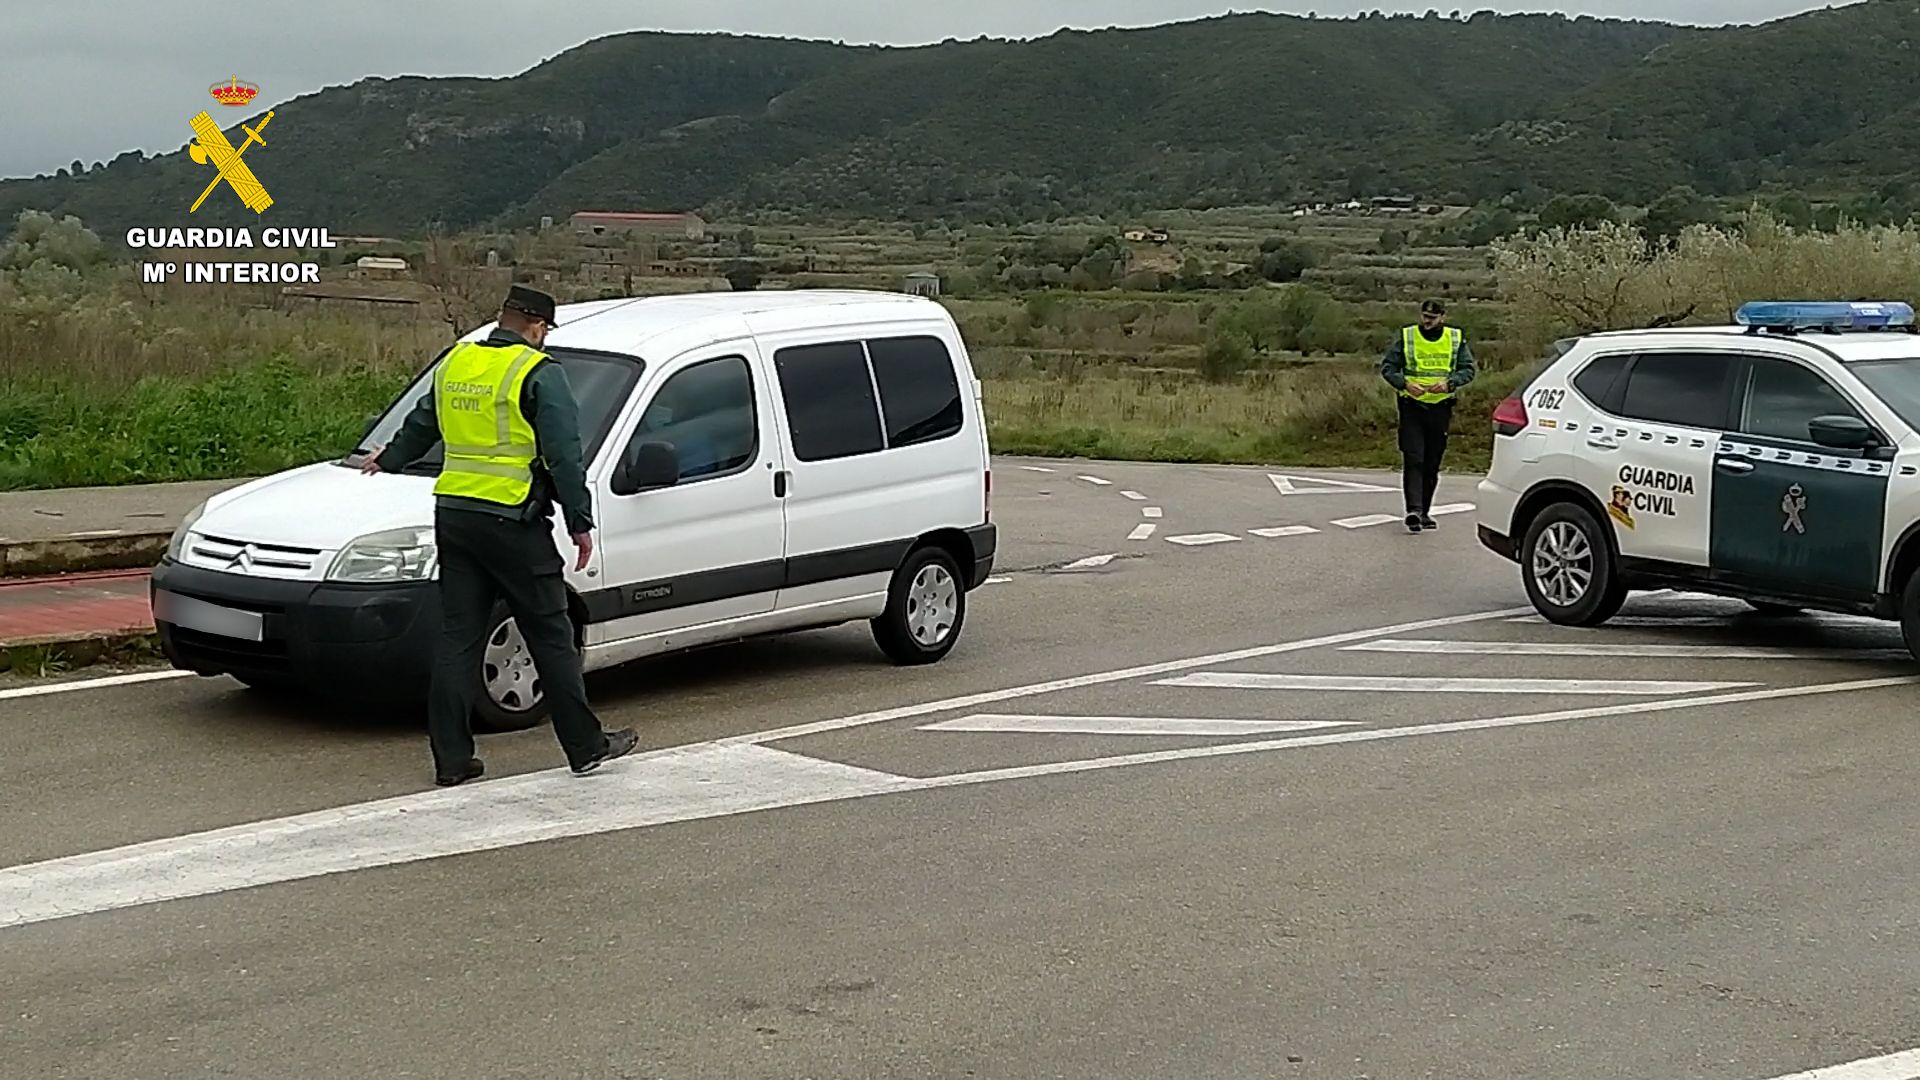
point(824, 460)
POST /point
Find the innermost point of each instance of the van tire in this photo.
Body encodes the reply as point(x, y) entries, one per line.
point(504, 649)
point(926, 606)
point(1586, 546)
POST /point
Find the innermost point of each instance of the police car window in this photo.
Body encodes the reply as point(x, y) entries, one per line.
point(1687, 389)
point(830, 403)
point(1599, 381)
point(1895, 382)
point(705, 412)
point(919, 395)
point(1782, 397)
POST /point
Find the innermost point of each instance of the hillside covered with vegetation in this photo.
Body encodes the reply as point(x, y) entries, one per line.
point(1232, 110)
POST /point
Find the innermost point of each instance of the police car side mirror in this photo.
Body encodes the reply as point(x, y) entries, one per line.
point(1843, 432)
point(646, 466)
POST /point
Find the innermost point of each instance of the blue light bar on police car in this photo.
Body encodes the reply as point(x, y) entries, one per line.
point(1862, 314)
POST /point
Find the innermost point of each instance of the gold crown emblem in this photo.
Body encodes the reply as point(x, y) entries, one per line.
point(233, 91)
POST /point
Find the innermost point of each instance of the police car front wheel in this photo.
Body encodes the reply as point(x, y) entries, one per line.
point(1568, 565)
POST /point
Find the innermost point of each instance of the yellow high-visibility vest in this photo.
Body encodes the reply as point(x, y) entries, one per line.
point(491, 447)
point(1429, 360)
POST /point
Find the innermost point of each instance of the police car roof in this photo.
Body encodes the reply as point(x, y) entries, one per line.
point(678, 321)
point(1849, 346)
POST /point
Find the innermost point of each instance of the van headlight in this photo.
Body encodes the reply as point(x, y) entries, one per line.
point(394, 555)
point(178, 543)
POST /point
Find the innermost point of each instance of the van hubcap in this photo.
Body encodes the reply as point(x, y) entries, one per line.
point(512, 682)
point(933, 605)
point(1563, 563)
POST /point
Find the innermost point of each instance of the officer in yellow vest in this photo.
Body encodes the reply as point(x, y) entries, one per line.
point(1427, 364)
point(511, 427)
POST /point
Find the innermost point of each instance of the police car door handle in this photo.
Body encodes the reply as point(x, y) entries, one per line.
point(1602, 442)
point(1732, 464)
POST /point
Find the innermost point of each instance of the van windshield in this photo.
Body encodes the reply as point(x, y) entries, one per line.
point(601, 383)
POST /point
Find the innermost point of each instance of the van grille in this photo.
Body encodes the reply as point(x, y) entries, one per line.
point(244, 557)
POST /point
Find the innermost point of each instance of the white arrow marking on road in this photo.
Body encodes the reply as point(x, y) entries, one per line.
point(1414, 684)
point(1202, 539)
point(1142, 531)
point(1365, 520)
point(1036, 723)
point(1285, 530)
point(1647, 650)
point(1290, 485)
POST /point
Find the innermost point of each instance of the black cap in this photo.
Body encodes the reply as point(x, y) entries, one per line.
point(1432, 307)
point(530, 302)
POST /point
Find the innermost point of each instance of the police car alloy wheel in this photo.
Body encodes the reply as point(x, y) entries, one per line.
point(926, 605)
point(1569, 568)
point(509, 697)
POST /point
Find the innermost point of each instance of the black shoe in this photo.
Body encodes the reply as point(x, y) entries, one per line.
point(474, 771)
point(1413, 523)
point(1428, 522)
point(619, 744)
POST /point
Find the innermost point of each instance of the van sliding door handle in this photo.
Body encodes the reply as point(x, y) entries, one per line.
point(780, 484)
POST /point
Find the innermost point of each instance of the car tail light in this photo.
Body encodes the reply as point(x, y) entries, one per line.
point(1510, 416)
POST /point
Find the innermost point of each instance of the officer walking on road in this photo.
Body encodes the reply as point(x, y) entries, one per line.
point(1427, 363)
point(511, 427)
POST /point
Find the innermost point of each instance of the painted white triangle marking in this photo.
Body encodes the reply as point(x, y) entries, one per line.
point(1287, 484)
point(1033, 723)
point(1415, 684)
point(1142, 531)
point(1150, 512)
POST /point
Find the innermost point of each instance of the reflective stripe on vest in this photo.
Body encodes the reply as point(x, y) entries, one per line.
point(490, 446)
point(1429, 360)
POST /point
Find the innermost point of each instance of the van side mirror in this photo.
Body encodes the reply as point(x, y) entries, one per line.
point(646, 466)
point(1843, 432)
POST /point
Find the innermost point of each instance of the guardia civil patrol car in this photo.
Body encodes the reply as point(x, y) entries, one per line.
point(1776, 460)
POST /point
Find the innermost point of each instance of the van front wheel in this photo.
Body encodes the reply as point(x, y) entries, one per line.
point(926, 604)
point(507, 695)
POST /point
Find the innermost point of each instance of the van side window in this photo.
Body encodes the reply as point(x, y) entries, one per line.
point(1783, 398)
point(919, 396)
point(1684, 389)
point(830, 400)
point(706, 412)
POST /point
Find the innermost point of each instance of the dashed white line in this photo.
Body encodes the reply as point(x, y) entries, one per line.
point(1415, 684)
point(1036, 468)
point(1090, 562)
point(1142, 531)
point(1134, 495)
point(1644, 650)
point(1150, 512)
point(1284, 530)
point(1365, 521)
point(1202, 539)
point(1097, 482)
point(1046, 724)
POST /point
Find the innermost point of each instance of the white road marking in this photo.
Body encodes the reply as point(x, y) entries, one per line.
point(706, 780)
point(1134, 495)
point(90, 684)
point(701, 781)
point(1150, 512)
point(95, 532)
point(1097, 482)
point(1451, 508)
point(1365, 520)
point(1648, 650)
point(1904, 1065)
point(1290, 485)
point(996, 581)
point(1090, 562)
point(1415, 684)
point(1038, 723)
point(1202, 539)
point(1284, 530)
point(1142, 531)
point(1036, 468)
point(1744, 618)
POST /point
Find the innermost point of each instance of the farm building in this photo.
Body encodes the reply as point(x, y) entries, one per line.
point(603, 222)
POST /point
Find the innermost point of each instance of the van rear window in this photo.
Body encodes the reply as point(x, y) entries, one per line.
point(919, 396)
point(830, 402)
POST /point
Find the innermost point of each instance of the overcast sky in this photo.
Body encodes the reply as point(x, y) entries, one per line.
point(88, 79)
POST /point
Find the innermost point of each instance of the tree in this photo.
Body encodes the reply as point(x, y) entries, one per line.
point(744, 276)
point(1576, 211)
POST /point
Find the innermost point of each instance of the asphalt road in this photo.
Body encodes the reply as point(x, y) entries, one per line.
point(1204, 802)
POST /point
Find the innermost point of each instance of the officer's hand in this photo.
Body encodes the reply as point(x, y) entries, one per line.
point(371, 463)
point(584, 542)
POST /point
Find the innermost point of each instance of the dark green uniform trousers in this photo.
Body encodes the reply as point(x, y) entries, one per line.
point(483, 557)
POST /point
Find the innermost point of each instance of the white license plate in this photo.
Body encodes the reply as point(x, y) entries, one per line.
point(208, 618)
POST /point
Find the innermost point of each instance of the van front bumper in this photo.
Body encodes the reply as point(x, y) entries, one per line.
point(374, 640)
